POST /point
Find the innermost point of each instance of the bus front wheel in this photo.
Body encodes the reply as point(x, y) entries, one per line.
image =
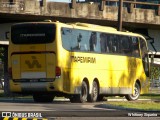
point(135, 95)
point(82, 97)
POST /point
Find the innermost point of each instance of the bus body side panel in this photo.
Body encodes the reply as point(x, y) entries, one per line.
point(117, 72)
point(106, 69)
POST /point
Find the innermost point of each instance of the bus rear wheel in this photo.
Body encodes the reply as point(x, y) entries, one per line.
point(43, 98)
point(94, 93)
point(135, 95)
point(82, 97)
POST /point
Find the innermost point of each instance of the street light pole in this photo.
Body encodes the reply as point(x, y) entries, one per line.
point(120, 15)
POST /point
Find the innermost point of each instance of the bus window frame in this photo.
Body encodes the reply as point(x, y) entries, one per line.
point(115, 37)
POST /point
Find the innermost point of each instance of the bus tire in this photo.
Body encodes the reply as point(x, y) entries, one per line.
point(135, 96)
point(84, 93)
point(43, 98)
point(94, 93)
point(82, 97)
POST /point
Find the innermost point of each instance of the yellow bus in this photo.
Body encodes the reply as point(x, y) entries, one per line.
point(80, 61)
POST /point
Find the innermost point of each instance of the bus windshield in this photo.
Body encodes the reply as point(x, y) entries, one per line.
point(35, 33)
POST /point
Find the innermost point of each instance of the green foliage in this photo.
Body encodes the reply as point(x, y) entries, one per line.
point(155, 72)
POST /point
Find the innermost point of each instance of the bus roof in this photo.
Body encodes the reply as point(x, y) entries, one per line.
point(103, 28)
point(94, 27)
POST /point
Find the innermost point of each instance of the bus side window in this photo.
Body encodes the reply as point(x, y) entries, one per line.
point(84, 42)
point(109, 42)
point(66, 34)
point(93, 41)
point(135, 47)
point(115, 44)
point(126, 50)
point(76, 38)
point(104, 43)
point(119, 44)
point(81, 40)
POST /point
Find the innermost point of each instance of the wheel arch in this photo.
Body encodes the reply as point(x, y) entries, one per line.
point(87, 82)
point(136, 92)
point(89, 85)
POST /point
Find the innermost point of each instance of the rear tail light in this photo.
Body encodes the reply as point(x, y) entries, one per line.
point(58, 71)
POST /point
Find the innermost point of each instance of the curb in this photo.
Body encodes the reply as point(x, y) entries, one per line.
point(126, 109)
point(126, 100)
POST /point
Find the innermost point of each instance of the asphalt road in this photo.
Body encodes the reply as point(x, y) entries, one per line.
point(64, 110)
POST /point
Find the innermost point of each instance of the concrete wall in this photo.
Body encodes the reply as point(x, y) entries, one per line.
point(79, 10)
point(92, 11)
